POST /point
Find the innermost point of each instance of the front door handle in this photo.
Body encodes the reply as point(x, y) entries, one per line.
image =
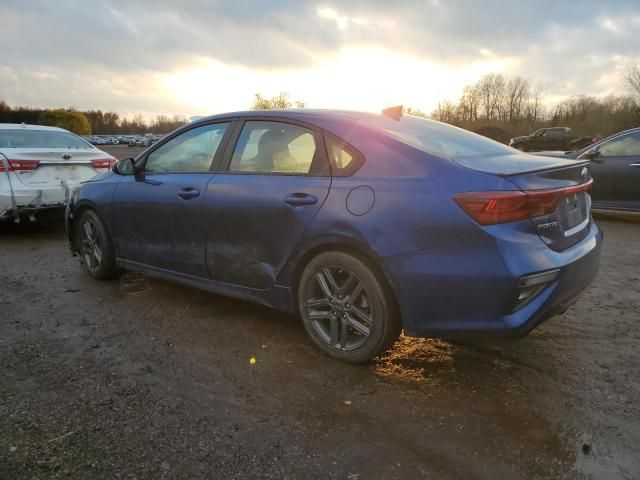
point(188, 193)
point(299, 199)
point(634, 164)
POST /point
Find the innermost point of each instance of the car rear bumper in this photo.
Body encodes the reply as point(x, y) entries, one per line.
point(18, 202)
point(463, 291)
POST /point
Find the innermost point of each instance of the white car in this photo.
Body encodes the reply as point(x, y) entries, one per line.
point(40, 166)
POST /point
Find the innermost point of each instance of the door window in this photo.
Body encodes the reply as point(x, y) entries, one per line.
point(555, 133)
point(274, 147)
point(624, 146)
point(343, 161)
point(189, 152)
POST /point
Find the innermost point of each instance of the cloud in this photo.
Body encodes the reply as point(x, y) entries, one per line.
point(119, 53)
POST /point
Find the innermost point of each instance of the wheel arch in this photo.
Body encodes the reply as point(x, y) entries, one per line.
point(77, 210)
point(352, 248)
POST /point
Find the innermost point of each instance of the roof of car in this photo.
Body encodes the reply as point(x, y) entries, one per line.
point(295, 113)
point(13, 126)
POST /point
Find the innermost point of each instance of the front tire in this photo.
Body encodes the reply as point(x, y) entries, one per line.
point(347, 309)
point(95, 246)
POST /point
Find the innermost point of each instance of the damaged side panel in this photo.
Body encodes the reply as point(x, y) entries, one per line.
point(252, 224)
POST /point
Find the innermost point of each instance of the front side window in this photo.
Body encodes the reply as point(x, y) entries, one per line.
point(274, 147)
point(189, 152)
point(623, 146)
point(555, 133)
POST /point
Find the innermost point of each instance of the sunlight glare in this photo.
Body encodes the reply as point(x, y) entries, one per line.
point(358, 78)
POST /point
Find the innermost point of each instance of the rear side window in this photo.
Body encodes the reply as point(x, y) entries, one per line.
point(274, 147)
point(344, 160)
point(23, 138)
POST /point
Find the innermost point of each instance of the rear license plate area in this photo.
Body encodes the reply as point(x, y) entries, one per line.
point(573, 211)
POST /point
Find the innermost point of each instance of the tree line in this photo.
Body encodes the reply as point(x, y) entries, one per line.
point(496, 105)
point(501, 106)
point(89, 122)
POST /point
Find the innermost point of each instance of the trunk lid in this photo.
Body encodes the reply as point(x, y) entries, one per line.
point(48, 167)
point(567, 183)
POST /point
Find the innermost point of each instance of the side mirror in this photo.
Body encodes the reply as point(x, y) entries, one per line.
point(593, 155)
point(125, 166)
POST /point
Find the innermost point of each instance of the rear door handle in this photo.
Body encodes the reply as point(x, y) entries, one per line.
point(299, 199)
point(188, 193)
point(634, 164)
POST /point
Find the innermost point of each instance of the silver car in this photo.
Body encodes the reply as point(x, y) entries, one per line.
point(39, 166)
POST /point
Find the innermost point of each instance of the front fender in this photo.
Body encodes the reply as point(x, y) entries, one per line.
point(94, 195)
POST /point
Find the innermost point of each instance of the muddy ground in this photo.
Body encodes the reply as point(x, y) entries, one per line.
point(138, 378)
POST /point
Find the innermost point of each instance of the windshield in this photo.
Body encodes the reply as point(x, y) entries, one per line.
point(437, 138)
point(22, 138)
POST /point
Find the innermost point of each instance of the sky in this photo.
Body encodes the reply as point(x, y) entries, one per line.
point(196, 57)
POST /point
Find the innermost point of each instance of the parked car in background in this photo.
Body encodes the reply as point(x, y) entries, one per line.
point(554, 138)
point(39, 166)
point(364, 224)
point(615, 167)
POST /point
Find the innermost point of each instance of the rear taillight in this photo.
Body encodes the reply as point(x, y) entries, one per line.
point(19, 165)
point(103, 163)
point(488, 208)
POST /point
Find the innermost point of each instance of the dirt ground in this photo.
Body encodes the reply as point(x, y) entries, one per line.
point(138, 378)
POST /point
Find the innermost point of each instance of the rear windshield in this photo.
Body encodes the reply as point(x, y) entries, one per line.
point(40, 139)
point(437, 138)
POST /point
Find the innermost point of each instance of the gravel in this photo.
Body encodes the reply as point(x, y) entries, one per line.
point(138, 378)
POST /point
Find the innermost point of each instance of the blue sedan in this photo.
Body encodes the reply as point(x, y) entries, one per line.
point(364, 224)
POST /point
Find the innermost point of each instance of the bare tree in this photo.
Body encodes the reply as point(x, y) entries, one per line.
point(281, 100)
point(415, 112)
point(517, 96)
point(633, 81)
point(446, 112)
point(469, 103)
point(491, 90)
point(535, 107)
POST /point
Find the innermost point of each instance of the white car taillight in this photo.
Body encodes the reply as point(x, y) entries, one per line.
point(20, 165)
point(103, 163)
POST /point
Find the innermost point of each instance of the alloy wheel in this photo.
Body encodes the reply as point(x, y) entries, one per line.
point(92, 250)
point(339, 308)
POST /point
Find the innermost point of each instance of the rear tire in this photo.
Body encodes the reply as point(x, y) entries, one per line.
point(95, 246)
point(347, 309)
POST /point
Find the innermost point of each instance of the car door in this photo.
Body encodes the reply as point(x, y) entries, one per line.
point(550, 139)
point(157, 212)
point(275, 181)
point(616, 172)
point(538, 140)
